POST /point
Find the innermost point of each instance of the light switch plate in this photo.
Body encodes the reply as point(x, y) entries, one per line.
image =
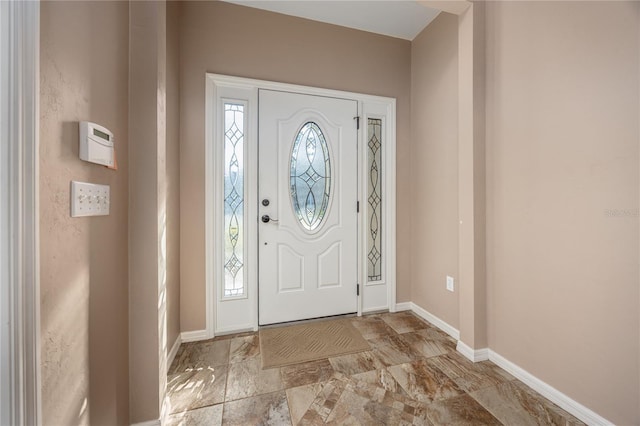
point(449, 283)
point(89, 199)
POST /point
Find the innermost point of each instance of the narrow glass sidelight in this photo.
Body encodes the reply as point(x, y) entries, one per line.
point(310, 177)
point(374, 192)
point(234, 231)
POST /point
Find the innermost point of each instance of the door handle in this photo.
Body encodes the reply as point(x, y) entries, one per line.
point(267, 219)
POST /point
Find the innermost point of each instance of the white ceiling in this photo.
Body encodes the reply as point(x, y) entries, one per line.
point(396, 18)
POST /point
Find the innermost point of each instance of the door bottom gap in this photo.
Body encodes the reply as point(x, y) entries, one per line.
point(309, 320)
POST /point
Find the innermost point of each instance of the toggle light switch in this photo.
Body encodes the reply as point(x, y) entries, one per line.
point(88, 199)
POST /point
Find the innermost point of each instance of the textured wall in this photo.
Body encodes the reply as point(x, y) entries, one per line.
point(562, 196)
point(147, 210)
point(229, 39)
point(434, 166)
point(173, 173)
point(83, 261)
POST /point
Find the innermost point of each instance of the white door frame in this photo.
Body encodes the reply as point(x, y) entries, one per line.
point(19, 219)
point(235, 314)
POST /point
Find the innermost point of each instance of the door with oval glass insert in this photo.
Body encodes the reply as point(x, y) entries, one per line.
point(307, 201)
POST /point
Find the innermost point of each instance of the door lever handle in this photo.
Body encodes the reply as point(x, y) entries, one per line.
point(267, 219)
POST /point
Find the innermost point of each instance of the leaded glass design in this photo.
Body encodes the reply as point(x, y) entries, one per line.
point(310, 176)
point(374, 246)
point(233, 199)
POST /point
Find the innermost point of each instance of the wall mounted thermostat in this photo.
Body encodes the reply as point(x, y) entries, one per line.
point(96, 144)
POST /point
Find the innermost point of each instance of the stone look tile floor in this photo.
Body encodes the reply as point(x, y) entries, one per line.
point(411, 376)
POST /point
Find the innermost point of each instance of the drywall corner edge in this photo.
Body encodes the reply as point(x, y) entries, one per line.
point(473, 355)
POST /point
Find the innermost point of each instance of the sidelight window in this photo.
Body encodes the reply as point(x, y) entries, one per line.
point(374, 192)
point(233, 199)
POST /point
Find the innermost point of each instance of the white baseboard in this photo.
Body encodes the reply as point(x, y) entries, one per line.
point(474, 355)
point(442, 325)
point(404, 306)
point(552, 394)
point(193, 336)
point(549, 392)
point(174, 350)
point(149, 423)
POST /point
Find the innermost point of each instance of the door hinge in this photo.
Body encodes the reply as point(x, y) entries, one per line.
point(357, 118)
point(358, 207)
point(357, 289)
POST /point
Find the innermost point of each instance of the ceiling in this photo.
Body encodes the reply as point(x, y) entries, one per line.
point(396, 18)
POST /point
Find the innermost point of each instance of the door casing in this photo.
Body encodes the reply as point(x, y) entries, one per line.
point(235, 314)
point(20, 384)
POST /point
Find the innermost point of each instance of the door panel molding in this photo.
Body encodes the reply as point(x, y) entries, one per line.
point(295, 264)
point(227, 315)
point(335, 249)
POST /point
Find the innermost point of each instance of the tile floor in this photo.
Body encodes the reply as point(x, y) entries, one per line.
point(411, 375)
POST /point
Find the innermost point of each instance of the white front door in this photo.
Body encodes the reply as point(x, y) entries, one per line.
point(307, 188)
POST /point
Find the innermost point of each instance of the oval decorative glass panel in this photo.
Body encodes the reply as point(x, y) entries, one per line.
point(310, 176)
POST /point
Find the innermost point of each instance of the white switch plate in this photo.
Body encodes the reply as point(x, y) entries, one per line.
point(449, 283)
point(88, 199)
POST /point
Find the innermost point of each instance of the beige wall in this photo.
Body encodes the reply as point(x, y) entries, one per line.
point(235, 40)
point(562, 152)
point(148, 275)
point(173, 173)
point(471, 178)
point(83, 76)
point(434, 167)
point(562, 183)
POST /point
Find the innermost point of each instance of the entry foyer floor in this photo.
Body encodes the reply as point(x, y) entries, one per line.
point(412, 375)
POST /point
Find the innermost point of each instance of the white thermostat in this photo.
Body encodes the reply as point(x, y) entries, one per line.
point(96, 144)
